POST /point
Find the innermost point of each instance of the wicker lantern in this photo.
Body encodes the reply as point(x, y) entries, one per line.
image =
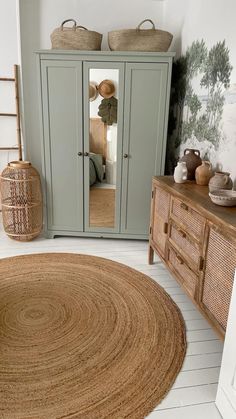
point(21, 196)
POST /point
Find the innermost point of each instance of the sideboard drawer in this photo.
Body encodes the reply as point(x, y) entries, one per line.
point(184, 273)
point(188, 217)
point(185, 245)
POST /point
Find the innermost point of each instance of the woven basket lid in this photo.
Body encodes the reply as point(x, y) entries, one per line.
point(19, 164)
point(106, 89)
point(93, 92)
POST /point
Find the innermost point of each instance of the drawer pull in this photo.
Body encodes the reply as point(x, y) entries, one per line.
point(180, 260)
point(165, 229)
point(184, 206)
point(200, 263)
point(182, 233)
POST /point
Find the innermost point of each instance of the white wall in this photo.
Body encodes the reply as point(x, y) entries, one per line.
point(8, 57)
point(173, 20)
point(39, 17)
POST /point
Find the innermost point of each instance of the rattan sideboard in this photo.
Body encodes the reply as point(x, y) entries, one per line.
point(197, 241)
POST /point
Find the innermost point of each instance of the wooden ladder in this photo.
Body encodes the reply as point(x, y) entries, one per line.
point(16, 115)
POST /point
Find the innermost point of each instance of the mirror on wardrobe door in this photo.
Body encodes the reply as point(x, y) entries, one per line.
point(103, 106)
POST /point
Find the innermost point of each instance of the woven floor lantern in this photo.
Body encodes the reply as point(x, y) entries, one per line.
point(21, 196)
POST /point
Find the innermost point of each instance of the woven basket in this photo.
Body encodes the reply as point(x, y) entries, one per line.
point(21, 195)
point(140, 39)
point(75, 37)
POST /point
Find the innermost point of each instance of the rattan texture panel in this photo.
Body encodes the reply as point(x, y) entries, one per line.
point(21, 201)
point(21, 222)
point(189, 279)
point(193, 221)
point(161, 215)
point(184, 243)
point(162, 201)
point(158, 235)
point(219, 274)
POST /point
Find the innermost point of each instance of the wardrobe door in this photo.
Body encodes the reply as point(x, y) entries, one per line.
point(103, 129)
point(144, 145)
point(63, 157)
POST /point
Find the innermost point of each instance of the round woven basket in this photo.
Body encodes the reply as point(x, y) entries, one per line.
point(21, 197)
point(75, 37)
point(140, 39)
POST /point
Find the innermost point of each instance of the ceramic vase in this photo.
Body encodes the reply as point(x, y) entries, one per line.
point(180, 173)
point(203, 173)
point(192, 159)
point(221, 180)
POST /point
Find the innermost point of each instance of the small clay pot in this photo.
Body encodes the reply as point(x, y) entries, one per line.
point(203, 173)
point(221, 180)
point(192, 159)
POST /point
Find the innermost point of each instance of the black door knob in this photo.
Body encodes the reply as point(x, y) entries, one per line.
point(80, 153)
point(86, 154)
point(126, 156)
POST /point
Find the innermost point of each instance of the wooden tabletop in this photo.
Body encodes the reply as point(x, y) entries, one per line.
point(198, 196)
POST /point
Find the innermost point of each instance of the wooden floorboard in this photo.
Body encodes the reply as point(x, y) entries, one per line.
point(201, 361)
point(200, 411)
point(188, 396)
point(193, 393)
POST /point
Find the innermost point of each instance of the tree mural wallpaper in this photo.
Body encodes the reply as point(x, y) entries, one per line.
point(199, 81)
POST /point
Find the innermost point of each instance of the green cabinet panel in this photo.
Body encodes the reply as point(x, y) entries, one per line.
point(143, 142)
point(62, 123)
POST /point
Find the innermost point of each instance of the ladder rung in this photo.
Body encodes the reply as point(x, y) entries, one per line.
point(16, 115)
point(8, 114)
point(9, 148)
point(7, 79)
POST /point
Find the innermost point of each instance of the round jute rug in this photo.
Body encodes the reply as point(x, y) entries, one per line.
point(84, 337)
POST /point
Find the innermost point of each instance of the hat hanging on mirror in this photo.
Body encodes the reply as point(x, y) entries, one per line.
point(106, 89)
point(93, 91)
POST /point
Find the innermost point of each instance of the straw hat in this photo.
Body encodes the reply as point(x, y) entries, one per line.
point(93, 92)
point(106, 89)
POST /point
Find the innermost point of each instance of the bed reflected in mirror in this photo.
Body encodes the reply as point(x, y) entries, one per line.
point(103, 93)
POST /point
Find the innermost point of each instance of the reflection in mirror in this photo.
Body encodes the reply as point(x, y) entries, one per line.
point(103, 104)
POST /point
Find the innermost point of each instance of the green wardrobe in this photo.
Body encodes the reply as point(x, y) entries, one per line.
point(97, 177)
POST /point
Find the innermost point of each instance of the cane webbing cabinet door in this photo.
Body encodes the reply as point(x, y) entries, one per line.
point(199, 248)
point(144, 124)
point(160, 215)
point(63, 139)
point(220, 266)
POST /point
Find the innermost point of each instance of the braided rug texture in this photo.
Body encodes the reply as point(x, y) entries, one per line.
point(84, 337)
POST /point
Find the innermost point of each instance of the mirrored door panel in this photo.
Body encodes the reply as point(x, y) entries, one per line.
point(102, 147)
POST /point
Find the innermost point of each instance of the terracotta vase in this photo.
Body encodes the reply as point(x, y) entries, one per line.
point(203, 173)
point(192, 159)
point(221, 180)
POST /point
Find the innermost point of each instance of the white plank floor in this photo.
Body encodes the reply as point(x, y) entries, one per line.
point(194, 391)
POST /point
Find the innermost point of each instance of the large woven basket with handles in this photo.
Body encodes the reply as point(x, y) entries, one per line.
point(140, 39)
point(75, 37)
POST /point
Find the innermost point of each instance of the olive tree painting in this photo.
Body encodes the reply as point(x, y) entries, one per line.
point(199, 81)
